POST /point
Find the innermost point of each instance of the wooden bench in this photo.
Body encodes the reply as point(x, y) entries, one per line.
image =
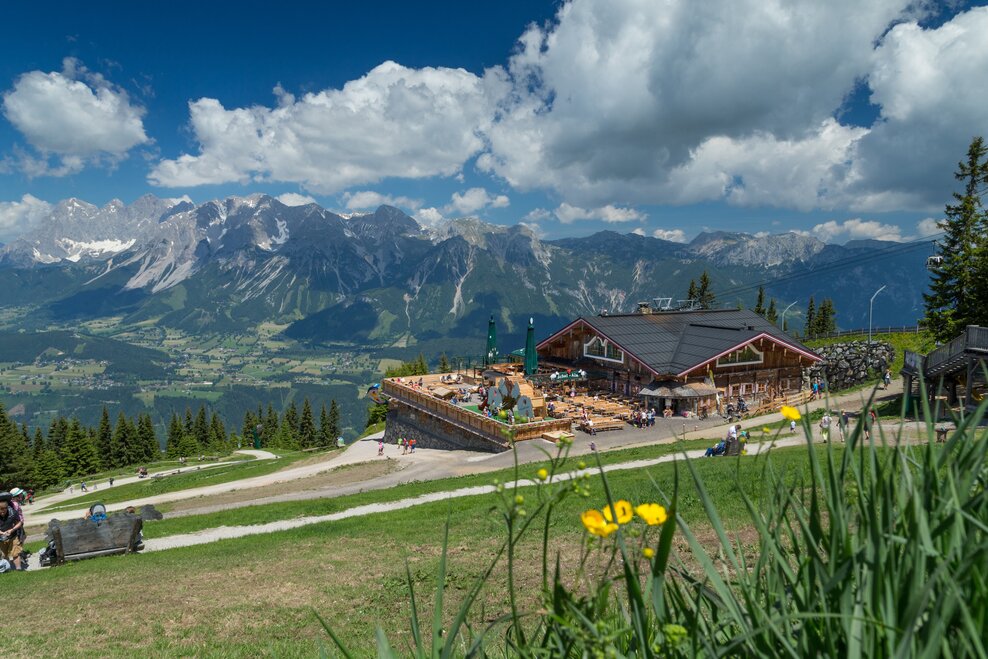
point(119, 533)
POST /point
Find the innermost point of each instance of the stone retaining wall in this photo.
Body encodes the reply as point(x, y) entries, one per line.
point(430, 431)
point(847, 364)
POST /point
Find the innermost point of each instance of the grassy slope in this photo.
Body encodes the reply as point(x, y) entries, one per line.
point(248, 596)
point(263, 514)
point(187, 479)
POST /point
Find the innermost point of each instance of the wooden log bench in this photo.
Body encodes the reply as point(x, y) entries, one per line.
point(119, 533)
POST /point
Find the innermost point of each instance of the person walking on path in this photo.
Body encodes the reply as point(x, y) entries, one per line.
point(825, 426)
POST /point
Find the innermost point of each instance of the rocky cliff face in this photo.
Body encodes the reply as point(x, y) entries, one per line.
point(852, 363)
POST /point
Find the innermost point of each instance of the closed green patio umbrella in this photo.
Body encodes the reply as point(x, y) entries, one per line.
point(531, 357)
point(490, 357)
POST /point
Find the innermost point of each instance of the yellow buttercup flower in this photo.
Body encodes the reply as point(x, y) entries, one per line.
point(652, 513)
point(790, 413)
point(542, 474)
point(595, 523)
point(622, 512)
point(648, 552)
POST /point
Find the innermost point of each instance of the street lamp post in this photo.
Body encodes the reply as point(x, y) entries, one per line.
point(784, 316)
point(870, 307)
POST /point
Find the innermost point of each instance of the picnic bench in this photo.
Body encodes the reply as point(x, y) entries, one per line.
point(602, 424)
point(119, 533)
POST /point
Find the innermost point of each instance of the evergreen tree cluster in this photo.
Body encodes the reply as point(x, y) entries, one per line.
point(293, 429)
point(959, 282)
point(417, 366)
point(70, 450)
point(821, 320)
point(201, 434)
point(769, 313)
point(701, 293)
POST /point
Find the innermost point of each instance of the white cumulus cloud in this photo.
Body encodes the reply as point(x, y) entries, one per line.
point(393, 122)
point(295, 199)
point(613, 99)
point(475, 199)
point(365, 199)
point(567, 214)
point(429, 216)
point(672, 235)
point(857, 229)
point(73, 115)
point(16, 217)
point(928, 227)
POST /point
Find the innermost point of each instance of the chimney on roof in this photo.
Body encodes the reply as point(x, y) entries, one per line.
point(644, 308)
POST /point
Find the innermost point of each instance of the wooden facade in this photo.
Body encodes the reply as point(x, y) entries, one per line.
point(762, 367)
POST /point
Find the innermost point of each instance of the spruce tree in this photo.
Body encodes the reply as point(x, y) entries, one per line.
point(175, 433)
point(271, 425)
point(219, 440)
point(120, 448)
point(291, 418)
point(104, 439)
point(334, 422)
point(147, 439)
point(200, 429)
point(957, 287)
point(693, 293)
point(772, 314)
point(704, 292)
point(79, 454)
point(323, 437)
point(809, 329)
point(306, 427)
point(444, 366)
point(760, 302)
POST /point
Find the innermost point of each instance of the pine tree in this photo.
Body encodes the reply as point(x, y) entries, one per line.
point(147, 439)
point(809, 329)
point(957, 287)
point(120, 445)
point(188, 428)
point(15, 452)
point(291, 417)
point(334, 422)
point(760, 303)
point(58, 431)
point(200, 429)
point(444, 366)
point(104, 438)
point(693, 293)
point(824, 321)
point(306, 426)
point(271, 424)
point(704, 294)
point(324, 438)
point(219, 440)
point(79, 454)
point(175, 433)
point(772, 314)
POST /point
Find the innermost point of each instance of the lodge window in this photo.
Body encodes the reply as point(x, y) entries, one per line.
point(598, 348)
point(746, 355)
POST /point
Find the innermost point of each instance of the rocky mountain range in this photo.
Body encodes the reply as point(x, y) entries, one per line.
point(383, 279)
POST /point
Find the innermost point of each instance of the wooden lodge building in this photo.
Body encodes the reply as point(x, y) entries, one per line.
point(671, 356)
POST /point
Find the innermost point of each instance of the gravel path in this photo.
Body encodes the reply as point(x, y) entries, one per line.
point(225, 532)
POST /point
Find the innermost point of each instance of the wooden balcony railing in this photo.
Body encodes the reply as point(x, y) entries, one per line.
point(469, 420)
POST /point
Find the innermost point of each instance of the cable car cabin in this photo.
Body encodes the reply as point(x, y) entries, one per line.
point(934, 262)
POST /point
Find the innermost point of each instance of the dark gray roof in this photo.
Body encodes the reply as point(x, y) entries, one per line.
point(673, 342)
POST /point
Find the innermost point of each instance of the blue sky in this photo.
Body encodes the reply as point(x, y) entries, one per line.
point(843, 121)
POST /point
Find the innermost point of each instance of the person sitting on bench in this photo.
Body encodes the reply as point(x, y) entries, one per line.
point(11, 532)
